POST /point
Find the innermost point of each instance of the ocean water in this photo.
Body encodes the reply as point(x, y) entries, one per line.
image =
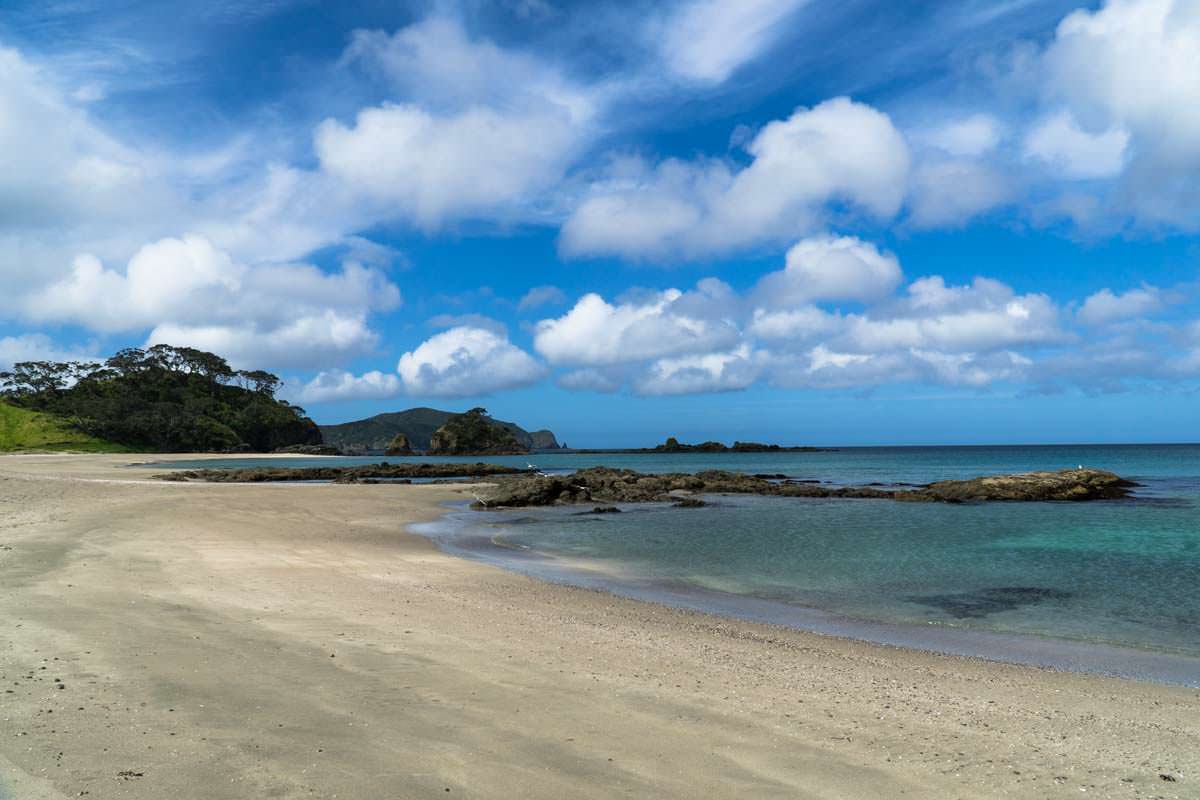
point(1123, 574)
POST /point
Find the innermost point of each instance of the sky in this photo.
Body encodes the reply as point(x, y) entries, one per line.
point(798, 221)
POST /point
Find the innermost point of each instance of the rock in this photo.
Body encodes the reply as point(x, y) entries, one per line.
point(368, 473)
point(1067, 484)
point(399, 446)
point(474, 433)
point(607, 485)
point(604, 510)
point(309, 450)
point(689, 502)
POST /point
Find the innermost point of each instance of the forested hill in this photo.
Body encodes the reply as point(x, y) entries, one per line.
point(417, 424)
point(162, 399)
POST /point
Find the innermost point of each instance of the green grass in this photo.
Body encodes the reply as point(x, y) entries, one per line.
point(22, 430)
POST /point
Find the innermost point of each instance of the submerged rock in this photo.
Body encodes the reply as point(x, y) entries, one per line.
point(974, 605)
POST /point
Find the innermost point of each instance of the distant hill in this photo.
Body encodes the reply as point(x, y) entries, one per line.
point(374, 434)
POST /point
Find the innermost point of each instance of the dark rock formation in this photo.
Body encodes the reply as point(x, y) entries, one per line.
point(474, 434)
point(393, 473)
point(690, 502)
point(399, 446)
point(672, 445)
point(605, 485)
point(542, 440)
point(1067, 484)
point(309, 450)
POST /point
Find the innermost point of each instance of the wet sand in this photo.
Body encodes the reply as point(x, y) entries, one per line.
point(228, 641)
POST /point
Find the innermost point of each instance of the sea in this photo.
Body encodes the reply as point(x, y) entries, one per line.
point(1110, 587)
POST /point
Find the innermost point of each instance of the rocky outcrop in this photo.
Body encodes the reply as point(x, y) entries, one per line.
point(399, 446)
point(474, 434)
point(673, 445)
point(542, 440)
point(309, 450)
point(369, 472)
point(605, 485)
point(1067, 485)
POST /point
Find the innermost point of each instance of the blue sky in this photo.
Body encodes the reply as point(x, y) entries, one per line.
point(789, 220)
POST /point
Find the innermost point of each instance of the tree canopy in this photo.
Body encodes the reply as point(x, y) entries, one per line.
point(163, 398)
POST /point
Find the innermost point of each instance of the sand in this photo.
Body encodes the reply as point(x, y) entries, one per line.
point(247, 641)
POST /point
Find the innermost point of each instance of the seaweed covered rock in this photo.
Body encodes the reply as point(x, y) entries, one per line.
point(392, 473)
point(606, 485)
point(1067, 484)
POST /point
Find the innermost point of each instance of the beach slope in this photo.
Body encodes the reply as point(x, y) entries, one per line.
point(247, 641)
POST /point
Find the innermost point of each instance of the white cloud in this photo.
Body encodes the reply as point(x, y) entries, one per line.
point(338, 385)
point(597, 333)
point(38, 347)
point(706, 372)
point(970, 137)
point(830, 268)
point(1075, 153)
point(838, 151)
point(540, 296)
point(706, 40)
point(950, 192)
point(1128, 68)
point(467, 361)
point(432, 168)
point(191, 293)
point(1104, 307)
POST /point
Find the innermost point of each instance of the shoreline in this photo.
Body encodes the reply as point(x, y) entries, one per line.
point(455, 533)
point(296, 642)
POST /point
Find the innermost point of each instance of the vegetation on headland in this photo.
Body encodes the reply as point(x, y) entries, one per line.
point(164, 399)
point(378, 433)
point(22, 429)
point(474, 433)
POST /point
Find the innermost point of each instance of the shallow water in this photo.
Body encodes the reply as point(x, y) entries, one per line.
point(1123, 573)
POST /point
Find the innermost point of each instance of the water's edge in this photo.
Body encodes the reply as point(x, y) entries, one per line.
point(463, 533)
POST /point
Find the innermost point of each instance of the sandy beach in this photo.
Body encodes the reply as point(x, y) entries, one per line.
point(288, 641)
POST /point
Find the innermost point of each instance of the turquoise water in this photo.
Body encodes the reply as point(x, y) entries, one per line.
point(1123, 573)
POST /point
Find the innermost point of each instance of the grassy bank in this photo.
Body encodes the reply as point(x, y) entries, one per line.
point(25, 430)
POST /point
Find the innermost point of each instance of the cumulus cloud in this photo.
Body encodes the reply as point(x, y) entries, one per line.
point(338, 385)
point(597, 333)
point(1075, 153)
point(38, 347)
point(1104, 307)
point(830, 268)
point(467, 361)
point(835, 316)
point(1127, 71)
point(192, 293)
point(707, 372)
point(952, 191)
point(839, 151)
point(968, 137)
point(706, 40)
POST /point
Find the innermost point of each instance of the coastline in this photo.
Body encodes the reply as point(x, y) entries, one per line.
point(294, 641)
point(461, 532)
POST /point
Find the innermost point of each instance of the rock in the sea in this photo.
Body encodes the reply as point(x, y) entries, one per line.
point(606, 485)
point(309, 450)
point(1067, 484)
point(399, 446)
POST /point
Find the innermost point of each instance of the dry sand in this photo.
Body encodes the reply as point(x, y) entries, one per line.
point(233, 641)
